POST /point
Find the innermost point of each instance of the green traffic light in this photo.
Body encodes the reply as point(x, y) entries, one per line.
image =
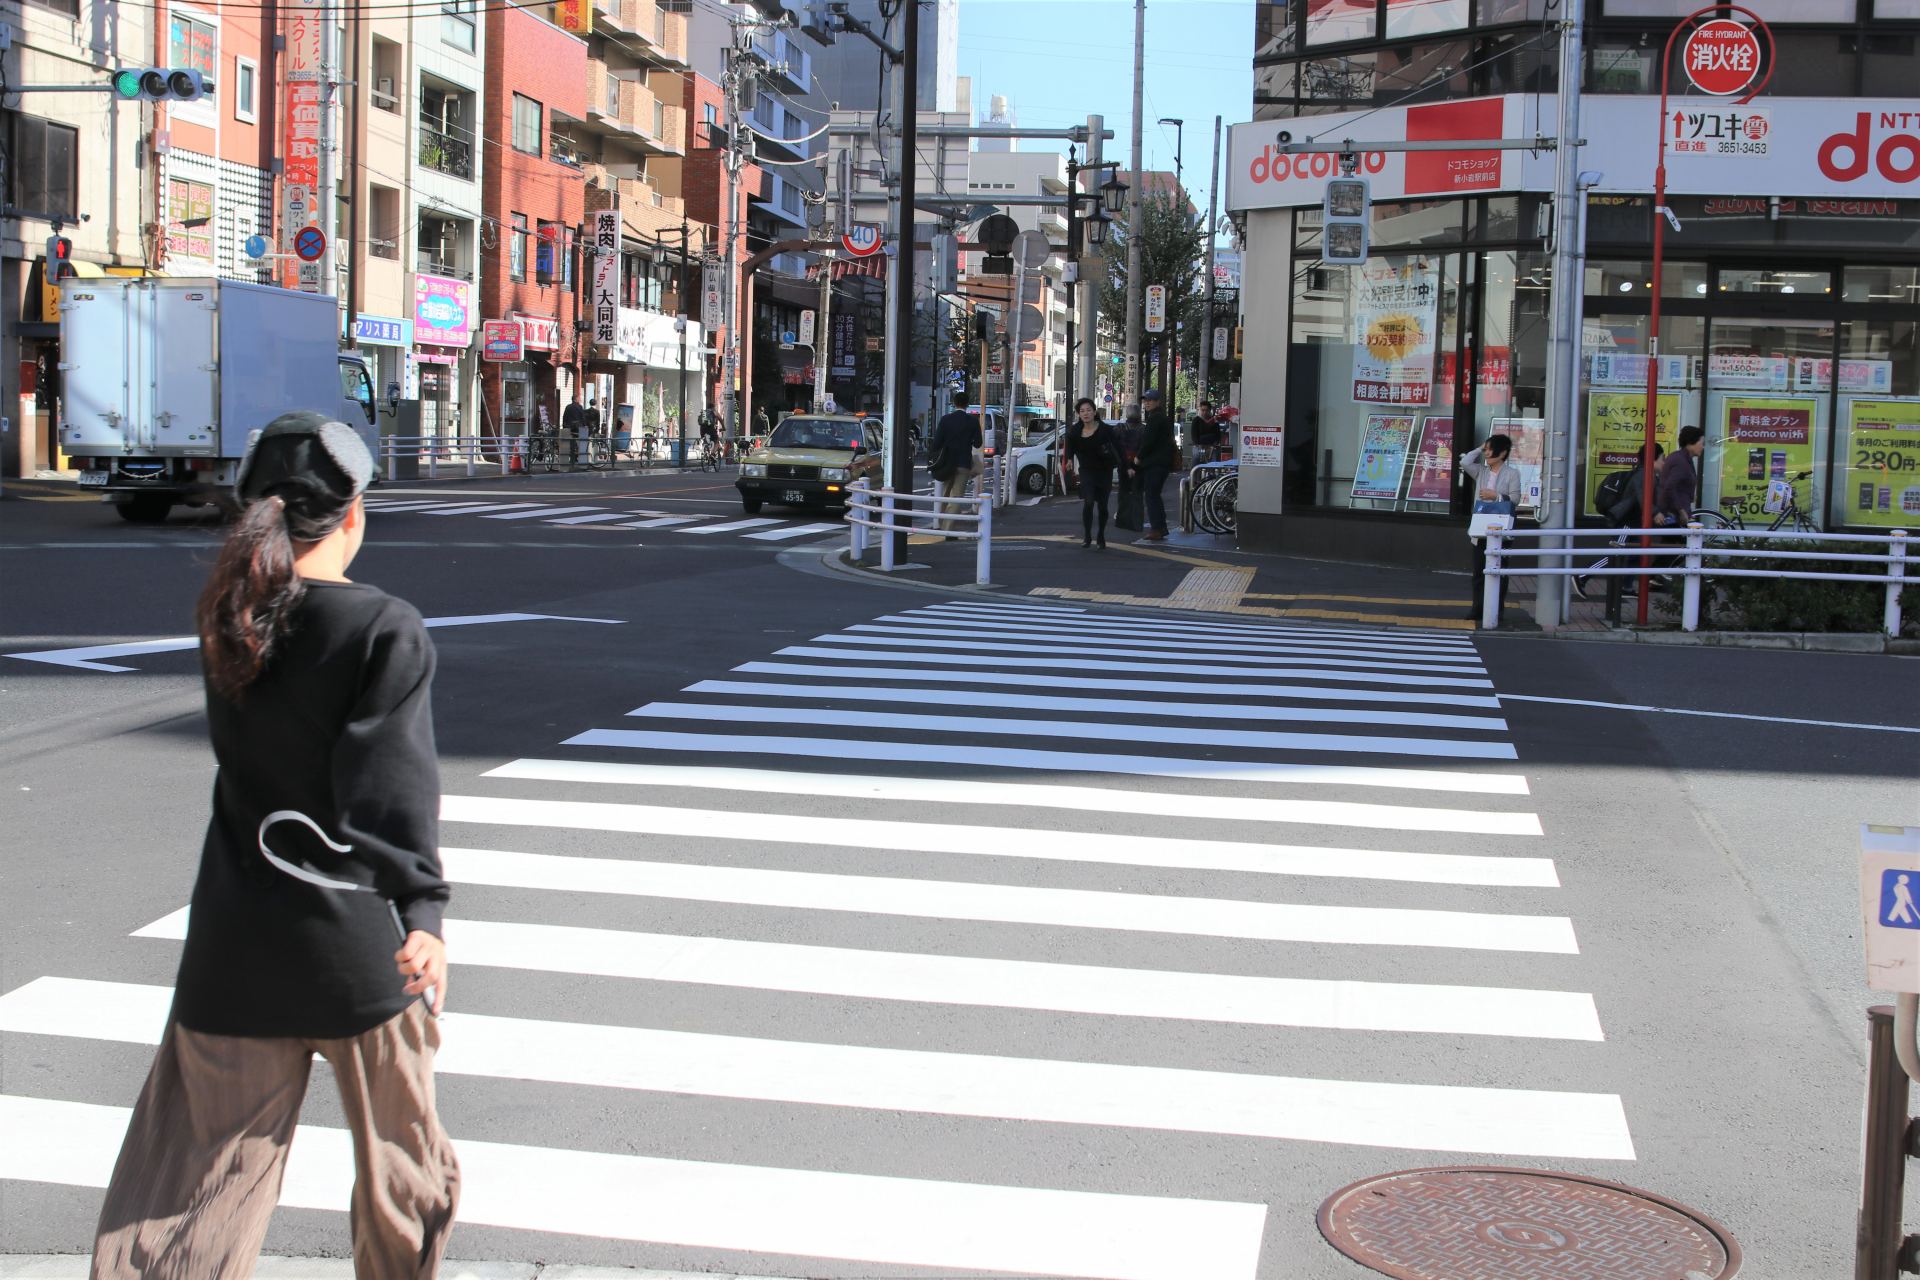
point(126, 84)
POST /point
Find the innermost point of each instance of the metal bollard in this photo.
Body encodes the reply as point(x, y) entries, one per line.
point(1490, 602)
point(1690, 588)
point(1896, 569)
point(886, 531)
point(857, 511)
point(983, 560)
point(1892, 1138)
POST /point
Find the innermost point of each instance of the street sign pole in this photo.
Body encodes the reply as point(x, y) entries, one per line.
point(1563, 335)
point(900, 277)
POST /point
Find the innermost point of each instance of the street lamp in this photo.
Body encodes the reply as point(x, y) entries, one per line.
point(1113, 195)
point(1111, 198)
point(1179, 147)
point(1097, 227)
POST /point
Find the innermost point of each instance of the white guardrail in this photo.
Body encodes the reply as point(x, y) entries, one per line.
point(1671, 557)
point(886, 512)
point(429, 452)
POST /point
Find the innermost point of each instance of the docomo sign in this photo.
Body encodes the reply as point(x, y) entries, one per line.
point(1896, 159)
point(1721, 57)
point(1268, 167)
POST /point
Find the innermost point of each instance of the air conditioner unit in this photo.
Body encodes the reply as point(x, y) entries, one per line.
point(383, 87)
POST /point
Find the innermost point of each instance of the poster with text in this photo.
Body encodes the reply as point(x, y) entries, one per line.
point(1529, 457)
point(1383, 455)
point(1616, 431)
point(1762, 439)
point(1395, 312)
point(1432, 477)
point(1262, 447)
point(1883, 464)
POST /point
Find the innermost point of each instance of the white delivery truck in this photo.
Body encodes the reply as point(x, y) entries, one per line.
point(163, 381)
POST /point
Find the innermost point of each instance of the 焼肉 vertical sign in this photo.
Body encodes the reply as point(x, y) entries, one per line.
point(606, 277)
point(300, 137)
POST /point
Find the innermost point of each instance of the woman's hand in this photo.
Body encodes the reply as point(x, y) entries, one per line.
point(422, 961)
point(1489, 495)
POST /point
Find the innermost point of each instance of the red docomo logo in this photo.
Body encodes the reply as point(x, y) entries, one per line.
point(1897, 158)
point(1268, 167)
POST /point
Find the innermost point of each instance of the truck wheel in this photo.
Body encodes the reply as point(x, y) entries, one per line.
point(144, 508)
point(751, 506)
point(1033, 480)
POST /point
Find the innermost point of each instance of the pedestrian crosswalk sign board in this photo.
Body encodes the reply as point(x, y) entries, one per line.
point(1890, 906)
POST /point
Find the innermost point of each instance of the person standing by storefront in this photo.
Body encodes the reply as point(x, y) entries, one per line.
point(318, 706)
point(1159, 458)
point(573, 423)
point(1495, 479)
point(1679, 482)
point(1094, 451)
point(1203, 433)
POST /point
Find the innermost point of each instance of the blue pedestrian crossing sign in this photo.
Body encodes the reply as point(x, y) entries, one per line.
point(1898, 908)
point(1890, 906)
point(256, 246)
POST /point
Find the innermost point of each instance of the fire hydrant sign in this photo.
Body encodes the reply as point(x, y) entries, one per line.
point(1890, 906)
point(1721, 57)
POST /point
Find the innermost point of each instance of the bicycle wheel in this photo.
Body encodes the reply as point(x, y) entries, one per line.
point(600, 453)
point(1226, 502)
point(1711, 518)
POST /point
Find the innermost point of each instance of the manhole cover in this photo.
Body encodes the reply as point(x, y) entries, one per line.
point(1521, 1224)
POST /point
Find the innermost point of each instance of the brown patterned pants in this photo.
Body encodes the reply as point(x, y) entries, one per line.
point(199, 1172)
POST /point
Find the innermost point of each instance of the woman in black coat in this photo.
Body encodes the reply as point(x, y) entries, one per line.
point(1094, 451)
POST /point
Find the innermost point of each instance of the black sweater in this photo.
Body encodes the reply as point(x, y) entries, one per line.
point(339, 727)
point(1096, 454)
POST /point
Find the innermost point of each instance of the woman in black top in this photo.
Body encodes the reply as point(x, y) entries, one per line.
point(1094, 452)
point(316, 917)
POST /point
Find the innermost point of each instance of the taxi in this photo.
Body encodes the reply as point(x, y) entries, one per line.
point(809, 461)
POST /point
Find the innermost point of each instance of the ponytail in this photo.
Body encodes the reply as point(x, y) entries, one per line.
point(248, 601)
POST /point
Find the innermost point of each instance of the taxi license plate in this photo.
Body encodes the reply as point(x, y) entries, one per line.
point(94, 478)
point(793, 495)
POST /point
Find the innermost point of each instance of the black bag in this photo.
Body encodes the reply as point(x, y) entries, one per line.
point(1612, 491)
point(940, 465)
point(1130, 509)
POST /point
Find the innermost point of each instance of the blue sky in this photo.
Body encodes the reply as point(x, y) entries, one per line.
point(1059, 60)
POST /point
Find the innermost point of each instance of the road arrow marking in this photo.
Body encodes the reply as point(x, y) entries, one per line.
point(88, 657)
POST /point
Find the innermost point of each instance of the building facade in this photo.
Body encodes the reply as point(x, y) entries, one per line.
point(1793, 260)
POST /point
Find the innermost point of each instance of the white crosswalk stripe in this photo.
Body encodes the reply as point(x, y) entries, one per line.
point(978, 862)
point(762, 529)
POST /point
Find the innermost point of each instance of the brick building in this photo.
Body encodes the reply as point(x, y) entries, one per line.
point(533, 199)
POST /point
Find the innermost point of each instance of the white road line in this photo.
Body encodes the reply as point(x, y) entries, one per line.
point(418, 504)
point(1343, 666)
point(734, 526)
point(537, 512)
point(601, 518)
point(1104, 706)
point(662, 522)
point(845, 750)
point(1000, 609)
point(1192, 688)
point(469, 508)
point(1235, 650)
point(1002, 842)
point(899, 1221)
point(798, 531)
point(1329, 640)
point(1083, 730)
point(1161, 664)
point(1715, 715)
point(925, 978)
point(1032, 795)
point(1014, 904)
point(1509, 1122)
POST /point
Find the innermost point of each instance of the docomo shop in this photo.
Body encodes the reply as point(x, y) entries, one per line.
point(1789, 331)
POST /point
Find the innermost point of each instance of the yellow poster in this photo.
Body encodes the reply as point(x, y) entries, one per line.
point(1883, 464)
point(1764, 439)
point(574, 15)
point(1616, 433)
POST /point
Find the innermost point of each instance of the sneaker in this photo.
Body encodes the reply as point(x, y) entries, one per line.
point(1580, 587)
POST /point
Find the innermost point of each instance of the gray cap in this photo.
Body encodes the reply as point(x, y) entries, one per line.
point(315, 464)
point(1152, 393)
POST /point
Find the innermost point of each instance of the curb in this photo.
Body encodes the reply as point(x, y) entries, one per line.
point(73, 1266)
point(834, 561)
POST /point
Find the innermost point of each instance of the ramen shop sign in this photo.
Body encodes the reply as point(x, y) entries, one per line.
point(1721, 57)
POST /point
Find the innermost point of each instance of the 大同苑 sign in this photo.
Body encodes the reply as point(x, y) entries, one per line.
point(606, 277)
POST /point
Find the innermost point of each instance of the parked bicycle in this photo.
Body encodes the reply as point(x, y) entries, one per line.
point(543, 450)
point(1214, 499)
point(1791, 516)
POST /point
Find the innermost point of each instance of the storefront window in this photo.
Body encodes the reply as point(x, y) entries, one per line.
point(1877, 467)
point(1613, 391)
point(1809, 64)
point(1273, 90)
point(1514, 64)
point(1492, 12)
point(1419, 222)
point(1634, 279)
point(1339, 82)
point(1335, 21)
point(1617, 66)
point(1907, 10)
point(1276, 27)
point(1777, 280)
point(1424, 17)
point(1799, 10)
point(1437, 69)
point(1883, 284)
point(1509, 361)
point(1769, 386)
point(1886, 57)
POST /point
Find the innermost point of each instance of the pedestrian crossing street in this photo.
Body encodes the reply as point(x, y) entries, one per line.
point(569, 515)
point(1125, 926)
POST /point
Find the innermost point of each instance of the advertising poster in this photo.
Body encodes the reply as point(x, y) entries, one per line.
point(1262, 447)
point(1383, 455)
point(1616, 430)
point(1395, 311)
point(1749, 372)
point(442, 311)
point(1529, 458)
point(1883, 464)
point(300, 139)
point(1762, 439)
point(1432, 477)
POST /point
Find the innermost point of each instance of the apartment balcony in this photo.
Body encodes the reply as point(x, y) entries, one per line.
point(789, 66)
point(650, 214)
point(429, 264)
point(444, 153)
point(644, 29)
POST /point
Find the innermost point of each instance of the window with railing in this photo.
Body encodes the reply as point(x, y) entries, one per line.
point(458, 23)
point(443, 248)
point(383, 226)
point(517, 248)
point(564, 150)
point(446, 133)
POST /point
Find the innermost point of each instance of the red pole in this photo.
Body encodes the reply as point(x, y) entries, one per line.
point(1659, 261)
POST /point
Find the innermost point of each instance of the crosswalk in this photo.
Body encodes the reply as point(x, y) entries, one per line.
point(1098, 883)
point(760, 529)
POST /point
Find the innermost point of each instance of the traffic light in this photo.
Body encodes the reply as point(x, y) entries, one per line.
point(1347, 210)
point(55, 267)
point(161, 84)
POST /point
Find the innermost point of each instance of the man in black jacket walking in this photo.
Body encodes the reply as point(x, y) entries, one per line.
point(950, 454)
point(1158, 459)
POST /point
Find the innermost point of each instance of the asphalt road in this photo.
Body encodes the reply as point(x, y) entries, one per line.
point(760, 970)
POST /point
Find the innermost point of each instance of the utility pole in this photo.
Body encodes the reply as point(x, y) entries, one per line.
point(1213, 213)
point(682, 322)
point(1134, 221)
point(900, 350)
point(737, 136)
point(1563, 336)
point(328, 197)
point(1090, 288)
point(1170, 340)
point(821, 330)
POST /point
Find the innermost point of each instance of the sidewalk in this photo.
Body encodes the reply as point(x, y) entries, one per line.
point(1037, 553)
point(74, 1267)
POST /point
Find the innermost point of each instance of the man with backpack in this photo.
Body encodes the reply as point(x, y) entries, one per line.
point(1618, 501)
point(950, 454)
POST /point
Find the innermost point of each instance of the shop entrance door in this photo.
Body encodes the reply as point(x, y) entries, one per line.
point(516, 403)
point(1768, 415)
